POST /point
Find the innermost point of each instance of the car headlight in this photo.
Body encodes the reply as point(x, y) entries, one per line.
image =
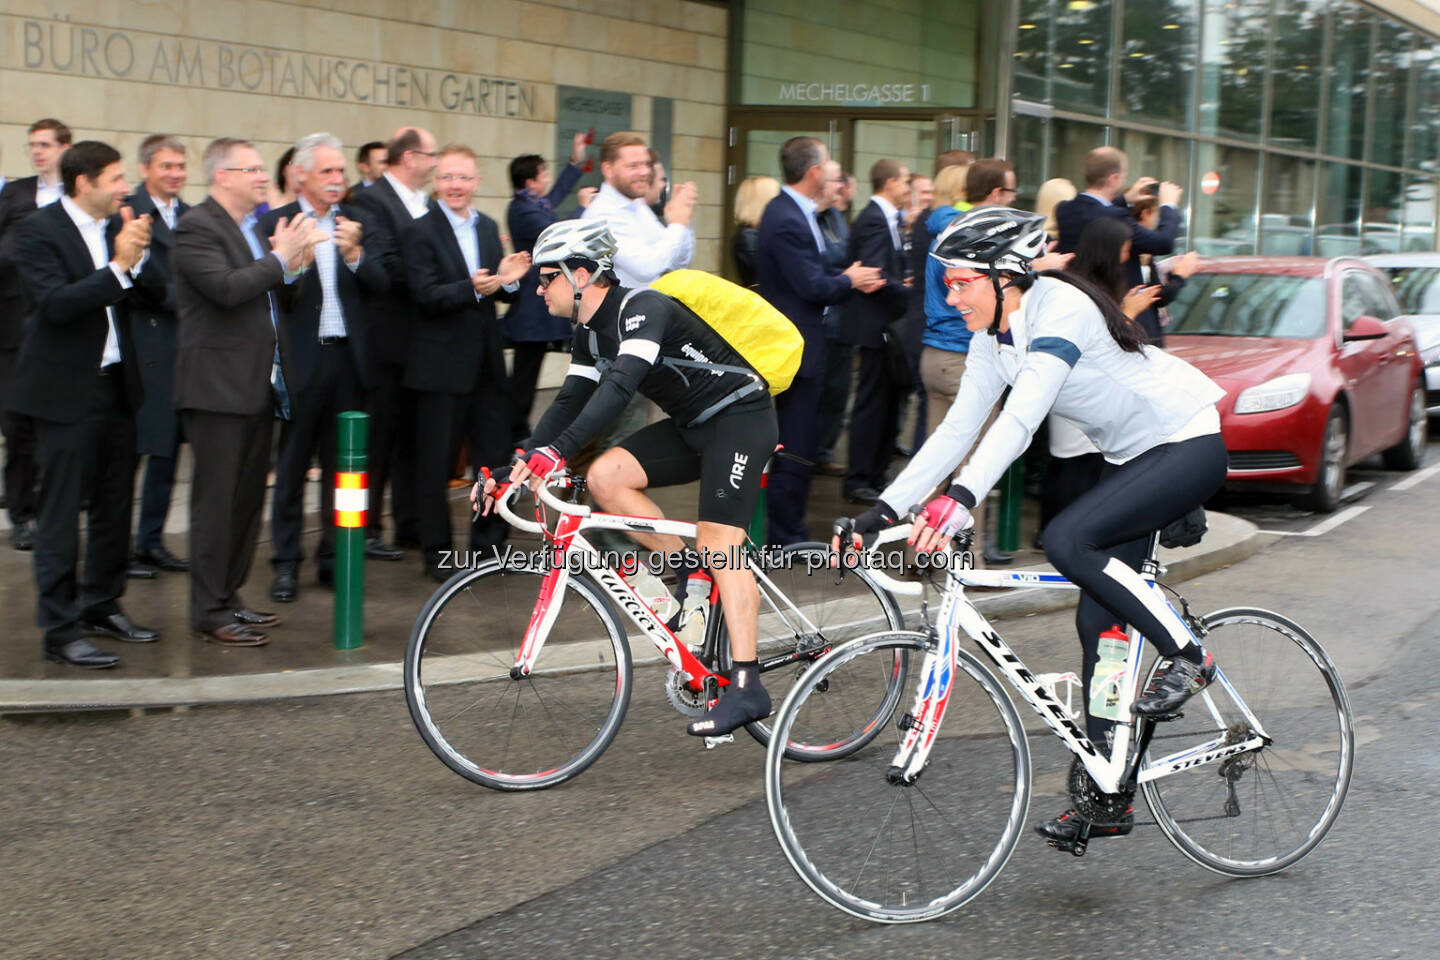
point(1274, 394)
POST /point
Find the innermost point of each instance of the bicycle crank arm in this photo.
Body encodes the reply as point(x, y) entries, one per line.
point(712, 742)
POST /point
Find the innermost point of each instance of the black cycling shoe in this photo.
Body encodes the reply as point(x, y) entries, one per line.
point(1071, 826)
point(744, 701)
point(1172, 685)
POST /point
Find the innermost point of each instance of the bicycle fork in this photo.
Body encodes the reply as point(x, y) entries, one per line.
point(932, 696)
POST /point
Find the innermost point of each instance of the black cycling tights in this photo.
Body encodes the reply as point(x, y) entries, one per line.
point(1099, 541)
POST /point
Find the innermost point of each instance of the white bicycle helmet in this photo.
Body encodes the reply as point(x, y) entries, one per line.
point(995, 240)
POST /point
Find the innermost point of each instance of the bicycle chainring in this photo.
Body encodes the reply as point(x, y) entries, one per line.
point(1090, 803)
point(686, 701)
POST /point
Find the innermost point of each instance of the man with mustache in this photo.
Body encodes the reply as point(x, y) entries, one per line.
point(323, 321)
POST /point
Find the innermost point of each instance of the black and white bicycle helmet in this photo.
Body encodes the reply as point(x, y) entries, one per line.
point(995, 240)
point(568, 240)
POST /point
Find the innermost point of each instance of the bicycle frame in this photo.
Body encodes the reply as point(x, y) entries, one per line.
point(1110, 772)
point(568, 538)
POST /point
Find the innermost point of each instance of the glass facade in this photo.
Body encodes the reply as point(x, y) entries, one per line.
point(1296, 126)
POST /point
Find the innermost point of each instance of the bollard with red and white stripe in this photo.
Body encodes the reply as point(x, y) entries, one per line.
point(352, 511)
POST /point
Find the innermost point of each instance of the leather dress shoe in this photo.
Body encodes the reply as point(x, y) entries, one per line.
point(864, 495)
point(162, 558)
point(434, 571)
point(82, 653)
point(285, 587)
point(235, 635)
point(256, 618)
point(377, 549)
point(120, 627)
point(830, 469)
point(325, 576)
point(22, 537)
point(141, 571)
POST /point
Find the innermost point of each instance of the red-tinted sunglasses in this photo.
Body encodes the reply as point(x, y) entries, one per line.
point(959, 283)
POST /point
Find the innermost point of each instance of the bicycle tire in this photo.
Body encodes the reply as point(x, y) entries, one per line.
point(827, 817)
point(1310, 757)
point(454, 663)
point(839, 616)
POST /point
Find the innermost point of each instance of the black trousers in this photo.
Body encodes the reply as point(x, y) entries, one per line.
point(392, 453)
point(155, 490)
point(21, 475)
point(872, 423)
point(334, 387)
point(797, 411)
point(839, 364)
point(482, 419)
point(528, 357)
point(92, 458)
point(227, 499)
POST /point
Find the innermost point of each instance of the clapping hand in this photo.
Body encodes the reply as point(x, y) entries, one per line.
point(1138, 300)
point(347, 238)
point(513, 268)
point(295, 240)
point(863, 278)
point(133, 238)
point(484, 282)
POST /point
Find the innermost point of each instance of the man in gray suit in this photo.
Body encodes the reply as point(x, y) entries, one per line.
point(224, 278)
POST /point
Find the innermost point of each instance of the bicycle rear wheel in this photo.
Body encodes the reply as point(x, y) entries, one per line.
point(1258, 812)
point(902, 853)
point(516, 733)
point(829, 609)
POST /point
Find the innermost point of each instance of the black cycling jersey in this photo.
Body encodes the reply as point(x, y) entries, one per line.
point(644, 340)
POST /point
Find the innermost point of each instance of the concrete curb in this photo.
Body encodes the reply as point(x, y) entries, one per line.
point(1229, 541)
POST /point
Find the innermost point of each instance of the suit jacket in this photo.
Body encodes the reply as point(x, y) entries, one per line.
point(454, 333)
point(794, 277)
point(227, 343)
point(154, 329)
point(299, 302)
point(527, 218)
point(17, 201)
point(1072, 216)
point(393, 317)
point(868, 315)
point(57, 376)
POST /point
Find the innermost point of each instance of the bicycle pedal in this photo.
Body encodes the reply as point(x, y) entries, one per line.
point(1074, 847)
point(1178, 714)
point(712, 742)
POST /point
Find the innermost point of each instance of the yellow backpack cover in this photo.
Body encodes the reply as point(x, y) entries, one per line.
point(764, 336)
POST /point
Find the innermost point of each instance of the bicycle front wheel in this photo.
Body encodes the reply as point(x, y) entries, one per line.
point(516, 732)
point(1258, 812)
point(900, 853)
point(818, 609)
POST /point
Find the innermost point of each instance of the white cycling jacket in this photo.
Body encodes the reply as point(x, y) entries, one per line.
point(1062, 359)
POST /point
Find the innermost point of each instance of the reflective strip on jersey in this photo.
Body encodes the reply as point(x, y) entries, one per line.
point(589, 373)
point(646, 350)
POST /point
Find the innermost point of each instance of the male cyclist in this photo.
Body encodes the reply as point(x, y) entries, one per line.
point(720, 430)
point(1062, 345)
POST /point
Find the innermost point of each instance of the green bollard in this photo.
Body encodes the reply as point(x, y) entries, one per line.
point(1012, 496)
point(352, 509)
point(757, 519)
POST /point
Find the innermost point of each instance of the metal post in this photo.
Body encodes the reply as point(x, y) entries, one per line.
point(352, 503)
point(1012, 495)
point(757, 519)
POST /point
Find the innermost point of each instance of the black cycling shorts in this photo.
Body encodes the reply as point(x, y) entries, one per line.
point(726, 454)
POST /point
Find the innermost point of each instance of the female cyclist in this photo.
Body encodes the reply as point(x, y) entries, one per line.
point(1061, 344)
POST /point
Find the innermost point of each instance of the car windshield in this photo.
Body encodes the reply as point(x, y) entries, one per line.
point(1249, 305)
point(1417, 288)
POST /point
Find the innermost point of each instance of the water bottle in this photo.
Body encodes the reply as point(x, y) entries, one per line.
point(695, 610)
point(1109, 676)
point(653, 593)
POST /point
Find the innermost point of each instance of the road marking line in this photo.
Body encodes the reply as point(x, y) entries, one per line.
point(1355, 489)
point(1416, 478)
point(1324, 526)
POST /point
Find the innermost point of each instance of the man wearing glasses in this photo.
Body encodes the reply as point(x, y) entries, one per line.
point(226, 274)
point(456, 362)
point(395, 201)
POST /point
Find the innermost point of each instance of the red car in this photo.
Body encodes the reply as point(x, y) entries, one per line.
point(1320, 371)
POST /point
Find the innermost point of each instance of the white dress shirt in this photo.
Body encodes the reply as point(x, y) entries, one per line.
point(415, 201)
point(645, 247)
point(46, 194)
point(93, 232)
point(891, 219)
point(166, 210)
point(470, 246)
point(332, 312)
point(807, 207)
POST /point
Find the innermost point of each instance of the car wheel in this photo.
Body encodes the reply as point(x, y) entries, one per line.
point(1408, 453)
point(1324, 495)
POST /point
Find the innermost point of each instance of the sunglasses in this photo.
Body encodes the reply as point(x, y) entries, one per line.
point(960, 283)
point(547, 278)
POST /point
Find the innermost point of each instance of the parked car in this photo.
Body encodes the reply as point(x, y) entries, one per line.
point(1415, 278)
point(1320, 369)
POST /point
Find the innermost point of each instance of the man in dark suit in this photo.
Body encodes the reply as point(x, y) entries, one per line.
point(528, 327)
point(79, 379)
point(1106, 170)
point(224, 370)
point(456, 364)
point(395, 201)
point(162, 169)
point(47, 140)
point(792, 274)
point(833, 206)
point(370, 161)
point(870, 323)
point(323, 330)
